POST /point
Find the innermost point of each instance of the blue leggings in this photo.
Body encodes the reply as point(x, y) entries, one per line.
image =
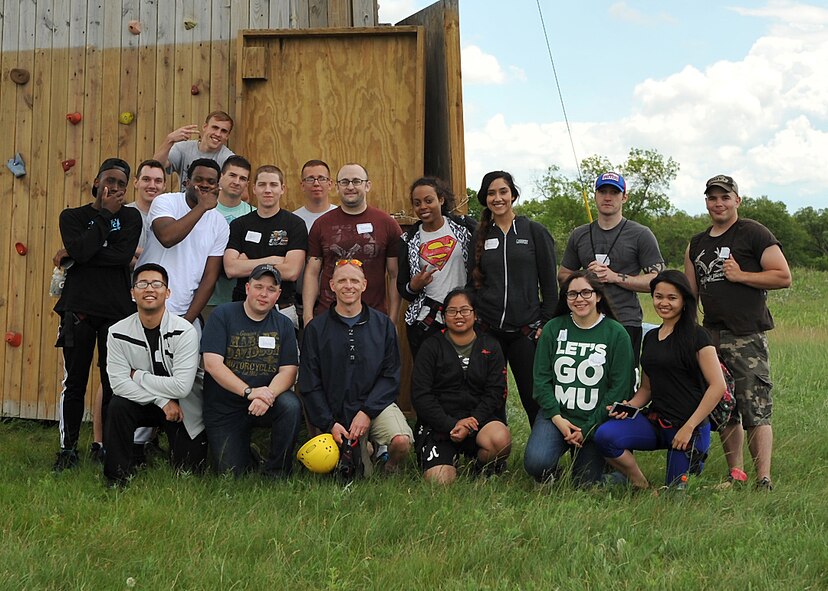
point(616, 436)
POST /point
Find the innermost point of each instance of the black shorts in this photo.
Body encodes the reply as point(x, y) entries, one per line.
point(437, 449)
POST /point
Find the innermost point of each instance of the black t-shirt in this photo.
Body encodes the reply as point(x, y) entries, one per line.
point(677, 387)
point(259, 237)
point(153, 337)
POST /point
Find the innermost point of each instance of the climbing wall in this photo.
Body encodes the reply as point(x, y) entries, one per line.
point(159, 63)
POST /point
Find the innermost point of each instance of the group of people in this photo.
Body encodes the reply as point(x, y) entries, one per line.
point(212, 317)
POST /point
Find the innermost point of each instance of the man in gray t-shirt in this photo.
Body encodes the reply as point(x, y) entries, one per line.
point(622, 253)
point(177, 150)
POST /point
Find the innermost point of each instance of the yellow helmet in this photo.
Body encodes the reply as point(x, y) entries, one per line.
point(320, 454)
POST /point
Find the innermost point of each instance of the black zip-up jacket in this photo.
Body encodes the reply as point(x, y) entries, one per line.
point(520, 286)
point(344, 370)
point(442, 393)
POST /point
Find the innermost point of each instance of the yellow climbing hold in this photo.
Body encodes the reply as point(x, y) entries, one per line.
point(126, 118)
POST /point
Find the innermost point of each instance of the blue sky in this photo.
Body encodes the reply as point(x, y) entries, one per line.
point(737, 88)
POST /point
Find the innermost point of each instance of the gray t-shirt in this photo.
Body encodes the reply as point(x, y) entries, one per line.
point(142, 242)
point(183, 153)
point(629, 246)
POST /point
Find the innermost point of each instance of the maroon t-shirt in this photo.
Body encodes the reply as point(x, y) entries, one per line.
point(371, 236)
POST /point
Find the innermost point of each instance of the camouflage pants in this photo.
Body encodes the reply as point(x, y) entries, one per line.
point(747, 358)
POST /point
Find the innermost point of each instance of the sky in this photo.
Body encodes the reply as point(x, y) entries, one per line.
point(735, 88)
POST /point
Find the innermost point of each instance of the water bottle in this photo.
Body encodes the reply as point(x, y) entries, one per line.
point(58, 278)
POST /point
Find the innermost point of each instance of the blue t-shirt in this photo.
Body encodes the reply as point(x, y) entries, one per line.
point(253, 350)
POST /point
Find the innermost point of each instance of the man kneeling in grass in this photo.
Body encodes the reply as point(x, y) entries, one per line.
point(251, 359)
point(152, 364)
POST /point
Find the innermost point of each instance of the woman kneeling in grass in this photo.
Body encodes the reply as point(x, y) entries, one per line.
point(459, 390)
point(584, 362)
point(683, 381)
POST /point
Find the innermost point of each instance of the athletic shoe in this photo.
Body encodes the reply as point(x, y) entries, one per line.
point(66, 458)
point(97, 452)
point(765, 484)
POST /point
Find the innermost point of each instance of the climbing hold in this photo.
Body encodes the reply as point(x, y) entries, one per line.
point(135, 27)
point(194, 89)
point(14, 338)
point(19, 76)
point(17, 166)
point(21, 248)
point(67, 164)
point(74, 118)
point(126, 118)
point(189, 24)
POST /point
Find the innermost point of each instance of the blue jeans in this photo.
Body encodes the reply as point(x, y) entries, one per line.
point(545, 447)
point(229, 427)
point(615, 436)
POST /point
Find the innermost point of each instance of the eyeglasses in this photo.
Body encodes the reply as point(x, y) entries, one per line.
point(145, 284)
point(584, 293)
point(312, 180)
point(354, 262)
point(464, 312)
point(355, 182)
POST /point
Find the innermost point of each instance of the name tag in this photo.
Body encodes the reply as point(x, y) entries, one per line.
point(491, 243)
point(252, 236)
point(521, 241)
point(267, 342)
point(365, 228)
point(597, 359)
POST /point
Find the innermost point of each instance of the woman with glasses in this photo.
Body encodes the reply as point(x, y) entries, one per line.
point(583, 364)
point(514, 274)
point(458, 390)
point(682, 381)
point(433, 257)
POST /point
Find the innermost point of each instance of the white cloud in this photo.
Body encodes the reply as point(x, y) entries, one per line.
point(480, 67)
point(393, 11)
point(625, 12)
point(763, 119)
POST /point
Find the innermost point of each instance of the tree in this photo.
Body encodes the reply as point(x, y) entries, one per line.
point(774, 216)
point(648, 175)
point(673, 233)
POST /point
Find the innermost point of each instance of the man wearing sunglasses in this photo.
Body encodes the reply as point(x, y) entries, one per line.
point(355, 230)
point(152, 364)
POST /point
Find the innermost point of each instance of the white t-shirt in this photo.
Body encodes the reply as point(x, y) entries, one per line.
point(186, 260)
point(310, 216)
point(441, 249)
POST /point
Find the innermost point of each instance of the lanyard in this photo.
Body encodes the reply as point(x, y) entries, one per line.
point(617, 236)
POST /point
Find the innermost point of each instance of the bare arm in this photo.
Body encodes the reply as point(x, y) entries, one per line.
point(238, 265)
point(394, 299)
point(284, 379)
point(563, 274)
point(639, 283)
point(205, 288)
point(690, 271)
point(162, 153)
point(310, 287)
point(775, 273)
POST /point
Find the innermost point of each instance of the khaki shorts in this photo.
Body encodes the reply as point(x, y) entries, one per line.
point(388, 424)
point(747, 358)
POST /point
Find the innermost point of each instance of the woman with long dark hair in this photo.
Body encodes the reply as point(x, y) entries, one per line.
point(682, 380)
point(583, 363)
point(433, 258)
point(514, 275)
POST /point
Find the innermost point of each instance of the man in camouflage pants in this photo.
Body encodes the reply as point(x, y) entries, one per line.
point(731, 265)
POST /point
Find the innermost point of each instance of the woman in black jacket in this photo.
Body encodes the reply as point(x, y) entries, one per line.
point(458, 391)
point(514, 275)
point(433, 258)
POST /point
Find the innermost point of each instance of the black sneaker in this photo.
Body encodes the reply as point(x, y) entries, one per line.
point(97, 452)
point(765, 484)
point(66, 459)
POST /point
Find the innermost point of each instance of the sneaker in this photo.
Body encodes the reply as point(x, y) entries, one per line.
point(97, 452)
point(66, 458)
point(765, 484)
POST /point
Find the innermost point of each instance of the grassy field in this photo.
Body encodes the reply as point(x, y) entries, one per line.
point(166, 532)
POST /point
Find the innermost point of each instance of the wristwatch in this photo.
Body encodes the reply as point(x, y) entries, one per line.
point(247, 392)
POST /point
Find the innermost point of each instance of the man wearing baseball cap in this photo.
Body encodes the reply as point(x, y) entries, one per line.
point(100, 238)
point(732, 265)
point(623, 254)
point(251, 359)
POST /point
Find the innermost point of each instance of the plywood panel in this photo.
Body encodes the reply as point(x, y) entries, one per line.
point(375, 118)
point(259, 14)
point(279, 17)
point(147, 73)
point(365, 13)
point(111, 68)
point(299, 14)
point(219, 83)
point(444, 147)
point(183, 69)
point(317, 13)
point(339, 13)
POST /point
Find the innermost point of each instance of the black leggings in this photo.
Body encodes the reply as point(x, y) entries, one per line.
point(519, 351)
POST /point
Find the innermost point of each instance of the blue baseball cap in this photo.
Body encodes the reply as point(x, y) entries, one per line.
point(611, 178)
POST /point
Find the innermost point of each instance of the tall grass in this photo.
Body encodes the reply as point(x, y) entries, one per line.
point(177, 532)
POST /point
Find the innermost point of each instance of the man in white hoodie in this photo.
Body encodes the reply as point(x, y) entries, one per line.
point(152, 368)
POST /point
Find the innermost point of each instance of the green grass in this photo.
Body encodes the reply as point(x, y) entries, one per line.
point(168, 532)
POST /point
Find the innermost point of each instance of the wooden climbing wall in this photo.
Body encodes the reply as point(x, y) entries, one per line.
point(82, 57)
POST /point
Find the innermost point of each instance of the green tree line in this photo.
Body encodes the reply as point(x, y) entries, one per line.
point(649, 174)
